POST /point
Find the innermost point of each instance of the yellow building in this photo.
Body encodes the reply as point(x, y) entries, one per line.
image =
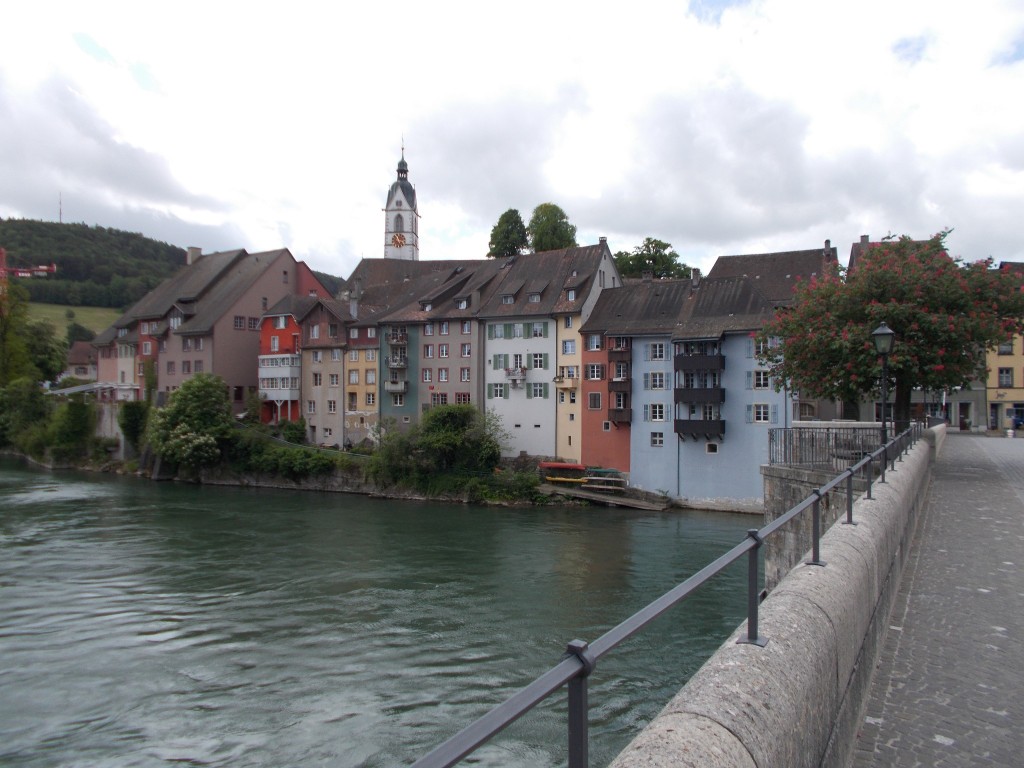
point(1004, 386)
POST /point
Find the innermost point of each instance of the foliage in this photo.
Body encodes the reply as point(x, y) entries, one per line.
point(76, 332)
point(549, 228)
point(253, 451)
point(191, 429)
point(15, 361)
point(47, 351)
point(253, 408)
point(945, 315)
point(131, 417)
point(508, 237)
point(149, 379)
point(70, 430)
point(22, 404)
point(294, 431)
point(654, 256)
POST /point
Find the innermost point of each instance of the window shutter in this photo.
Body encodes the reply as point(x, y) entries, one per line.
point(529, 391)
point(490, 391)
point(750, 379)
point(496, 362)
point(545, 327)
point(750, 346)
point(508, 331)
point(750, 414)
point(504, 361)
point(601, 371)
point(529, 362)
point(505, 391)
point(775, 414)
point(545, 361)
point(647, 381)
point(545, 388)
point(647, 412)
point(490, 331)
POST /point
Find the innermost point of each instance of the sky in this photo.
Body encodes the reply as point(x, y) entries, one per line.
point(719, 126)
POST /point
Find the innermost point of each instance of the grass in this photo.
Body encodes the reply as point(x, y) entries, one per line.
point(96, 319)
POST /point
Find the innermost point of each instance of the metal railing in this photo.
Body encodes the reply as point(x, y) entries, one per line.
point(821, 447)
point(581, 658)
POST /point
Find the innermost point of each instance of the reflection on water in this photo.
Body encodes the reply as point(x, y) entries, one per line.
point(145, 623)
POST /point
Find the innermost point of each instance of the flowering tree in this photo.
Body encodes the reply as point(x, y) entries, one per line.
point(945, 315)
point(196, 421)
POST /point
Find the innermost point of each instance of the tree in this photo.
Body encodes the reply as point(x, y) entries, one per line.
point(654, 256)
point(945, 315)
point(15, 361)
point(550, 229)
point(47, 351)
point(508, 237)
point(192, 429)
point(78, 332)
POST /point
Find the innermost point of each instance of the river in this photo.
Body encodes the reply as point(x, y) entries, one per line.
point(149, 624)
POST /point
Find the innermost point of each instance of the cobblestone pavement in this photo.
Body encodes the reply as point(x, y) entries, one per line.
point(949, 686)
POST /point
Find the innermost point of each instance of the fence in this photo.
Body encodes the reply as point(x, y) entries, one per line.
point(581, 658)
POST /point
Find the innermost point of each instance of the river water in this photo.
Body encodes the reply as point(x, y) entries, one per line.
point(149, 624)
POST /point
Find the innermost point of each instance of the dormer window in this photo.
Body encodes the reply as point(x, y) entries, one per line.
point(427, 307)
point(508, 298)
point(571, 294)
point(462, 303)
point(533, 298)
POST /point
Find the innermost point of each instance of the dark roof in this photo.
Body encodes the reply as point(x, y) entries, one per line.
point(187, 285)
point(403, 184)
point(296, 306)
point(385, 286)
point(81, 352)
point(776, 274)
point(716, 306)
point(640, 307)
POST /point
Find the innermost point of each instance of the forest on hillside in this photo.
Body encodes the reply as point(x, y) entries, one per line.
point(96, 266)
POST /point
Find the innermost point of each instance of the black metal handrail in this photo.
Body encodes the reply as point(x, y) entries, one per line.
point(581, 658)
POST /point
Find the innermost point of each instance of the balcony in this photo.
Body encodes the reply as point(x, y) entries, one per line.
point(700, 428)
point(620, 355)
point(279, 395)
point(700, 362)
point(620, 415)
point(398, 338)
point(620, 385)
point(566, 382)
point(396, 387)
point(396, 361)
point(515, 374)
point(712, 395)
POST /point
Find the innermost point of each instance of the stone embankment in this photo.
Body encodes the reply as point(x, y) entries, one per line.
point(796, 702)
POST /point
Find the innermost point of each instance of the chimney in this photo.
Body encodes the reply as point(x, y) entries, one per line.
point(694, 277)
point(602, 240)
point(647, 275)
point(353, 299)
point(864, 240)
point(192, 255)
point(828, 248)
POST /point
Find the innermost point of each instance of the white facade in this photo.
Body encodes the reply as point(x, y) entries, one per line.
point(401, 218)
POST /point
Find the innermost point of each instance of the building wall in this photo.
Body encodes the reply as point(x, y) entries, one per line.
point(653, 444)
point(1005, 385)
point(362, 400)
point(569, 416)
point(529, 419)
point(407, 412)
point(604, 443)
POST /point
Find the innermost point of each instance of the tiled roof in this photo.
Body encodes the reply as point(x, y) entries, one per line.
point(776, 274)
point(640, 307)
point(717, 306)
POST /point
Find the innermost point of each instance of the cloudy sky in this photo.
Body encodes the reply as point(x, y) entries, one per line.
point(719, 126)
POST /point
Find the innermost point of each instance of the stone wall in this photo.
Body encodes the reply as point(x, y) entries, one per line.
point(796, 702)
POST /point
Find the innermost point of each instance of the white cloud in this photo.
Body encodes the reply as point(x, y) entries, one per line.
point(722, 128)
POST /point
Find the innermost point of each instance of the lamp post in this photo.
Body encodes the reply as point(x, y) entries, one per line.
point(883, 337)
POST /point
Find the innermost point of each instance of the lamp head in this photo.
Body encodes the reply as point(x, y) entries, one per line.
point(883, 337)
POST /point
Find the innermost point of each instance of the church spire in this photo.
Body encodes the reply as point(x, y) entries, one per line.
point(401, 217)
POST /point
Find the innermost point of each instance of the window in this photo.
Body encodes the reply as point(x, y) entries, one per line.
point(761, 413)
point(571, 296)
point(568, 321)
point(371, 398)
point(444, 328)
point(353, 333)
point(442, 374)
point(332, 330)
point(439, 398)
point(314, 331)
point(467, 326)
point(318, 379)
point(572, 396)
point(594, 401)
point(197, 366)
point(170, 367)
point(428, 329)
point(593, 342)
point(353, 356)
point(760, 379)
point(371, 376)
point(533, 298)
point(280, 322)
point(199, 343)
point(318, 356)
point(654, 380)
point(284, 276)
point(186, 344)
point(371, 333)
point(462, 303)
point(508, 298)
point(428, 351)
point(335, 355)
point(656, 351)
point(239, 323)
point(332, 380)
point(442, 350)
point(711, 448)
point(539, 330)
point(569, 347)
point(496, 390)
point(1006, 377)
point(654, 412)
point(254, 323)
point(353, 376)
point(428, 375)
point(311, 407)
point(497, 331)
point(595, 372)
point(539, 360)
point(371, 355)
point(186, 367)
point(466, 350)
point(463, 374)
point(538, 389)
point(657, 439)
point(275, 343)
point(621, 401)
point(332, 406)
point(147, 347)
point(398, 400)
point(462, 398)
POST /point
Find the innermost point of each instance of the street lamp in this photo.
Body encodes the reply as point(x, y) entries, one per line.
point(883, 337)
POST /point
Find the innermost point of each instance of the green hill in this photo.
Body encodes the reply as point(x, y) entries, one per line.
point(96, 266)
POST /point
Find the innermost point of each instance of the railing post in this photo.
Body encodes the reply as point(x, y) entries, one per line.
point(578, 706)
point(849, 497)
point(753, 598)
point(884, 463)
point(869, 470)
point(816, 530)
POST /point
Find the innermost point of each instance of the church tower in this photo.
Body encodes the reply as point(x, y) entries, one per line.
point(401, 218)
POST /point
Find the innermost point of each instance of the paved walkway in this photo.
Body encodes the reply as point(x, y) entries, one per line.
point(949, 688)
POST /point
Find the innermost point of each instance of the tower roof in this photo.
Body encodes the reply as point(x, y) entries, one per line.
point(402, 185)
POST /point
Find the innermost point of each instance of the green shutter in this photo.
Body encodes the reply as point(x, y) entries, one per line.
point(545, 326)
point(490, 331)
point(490, 391)
point(504, 359)
point(506, 391)
point(509, 333)
point(529, 391)
point(545, 361)
point(545, 387)
point(496, 362)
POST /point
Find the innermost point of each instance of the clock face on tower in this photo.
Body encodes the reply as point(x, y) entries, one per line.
point(398, 240)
